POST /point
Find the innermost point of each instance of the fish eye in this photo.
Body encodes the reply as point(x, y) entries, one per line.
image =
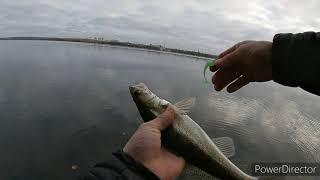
point(136, 93)
point(164, 106)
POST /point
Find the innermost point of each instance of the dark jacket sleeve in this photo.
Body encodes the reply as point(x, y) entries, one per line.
point(296, 60)
point(123, 167)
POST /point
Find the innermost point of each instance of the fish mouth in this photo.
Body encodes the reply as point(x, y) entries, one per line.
point(138, 93)
point(141, 94)
point(137, 88)
point(131, 89)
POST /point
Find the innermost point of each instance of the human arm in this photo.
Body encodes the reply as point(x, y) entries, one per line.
point(291, 60)
point(296, 60)
point(143, 157)
point(120, 167)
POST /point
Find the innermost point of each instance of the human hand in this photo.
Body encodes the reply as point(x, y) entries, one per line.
point(145, 146)
point(247, 61)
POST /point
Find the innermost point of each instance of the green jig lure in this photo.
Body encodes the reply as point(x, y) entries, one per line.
point(208, 64)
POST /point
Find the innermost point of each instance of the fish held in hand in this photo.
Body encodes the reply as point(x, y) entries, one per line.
point(186, 138)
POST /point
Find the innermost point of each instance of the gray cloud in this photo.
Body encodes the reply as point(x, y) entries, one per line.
point(207, 25)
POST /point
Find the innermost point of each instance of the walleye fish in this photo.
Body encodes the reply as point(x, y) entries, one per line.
point(186, 138)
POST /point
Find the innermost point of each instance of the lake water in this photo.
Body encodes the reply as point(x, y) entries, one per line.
point(66, 106)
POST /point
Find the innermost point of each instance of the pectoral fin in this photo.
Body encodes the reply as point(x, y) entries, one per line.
point(184, 106)
point(225, 145)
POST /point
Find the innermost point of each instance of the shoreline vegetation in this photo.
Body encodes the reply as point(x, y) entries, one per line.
point(152, 47)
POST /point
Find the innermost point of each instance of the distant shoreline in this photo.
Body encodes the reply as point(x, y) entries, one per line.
point(156, 48)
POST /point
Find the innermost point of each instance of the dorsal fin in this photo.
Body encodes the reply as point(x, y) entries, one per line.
point(225, 145)
point(184, 106)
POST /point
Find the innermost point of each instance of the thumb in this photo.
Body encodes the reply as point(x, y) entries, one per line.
point(164, 120)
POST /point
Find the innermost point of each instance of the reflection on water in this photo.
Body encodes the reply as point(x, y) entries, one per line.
point(66, 106)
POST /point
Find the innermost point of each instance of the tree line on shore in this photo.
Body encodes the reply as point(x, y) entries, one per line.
point(117, 43)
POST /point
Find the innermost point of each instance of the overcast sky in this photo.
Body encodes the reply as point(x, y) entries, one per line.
point(207, 25)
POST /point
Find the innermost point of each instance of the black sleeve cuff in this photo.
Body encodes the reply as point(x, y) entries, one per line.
point(135, 166)
point(120, 166)
point(296, 60)
point(284, 69)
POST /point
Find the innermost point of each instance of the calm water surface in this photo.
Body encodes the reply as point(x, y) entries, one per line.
point(65, 105)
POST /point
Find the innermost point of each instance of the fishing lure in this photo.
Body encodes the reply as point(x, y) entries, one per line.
point(208, 64)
